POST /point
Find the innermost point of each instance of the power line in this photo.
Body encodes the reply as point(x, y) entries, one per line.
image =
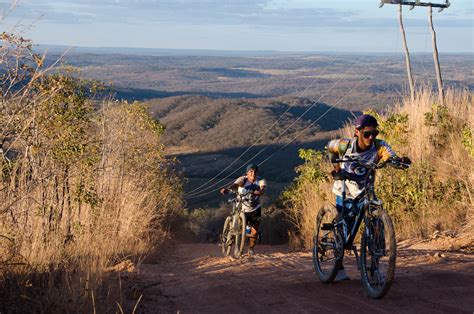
point(314, 103)
point(286, 145)
point(268, 130)
point(200, 194)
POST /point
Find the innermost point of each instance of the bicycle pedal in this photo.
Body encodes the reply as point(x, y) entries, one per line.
point(327, 226)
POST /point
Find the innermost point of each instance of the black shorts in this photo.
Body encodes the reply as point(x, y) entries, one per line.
point(253, 218)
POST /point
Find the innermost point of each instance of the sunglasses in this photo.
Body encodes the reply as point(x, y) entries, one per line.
point(368, 134)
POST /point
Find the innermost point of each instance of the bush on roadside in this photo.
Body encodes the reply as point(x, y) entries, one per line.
point(434, 194)
point(84, 184)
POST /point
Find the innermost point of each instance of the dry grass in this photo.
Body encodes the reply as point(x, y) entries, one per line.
point(435, 194)
point(303, 215)
point(84, 186)
point(440, 143)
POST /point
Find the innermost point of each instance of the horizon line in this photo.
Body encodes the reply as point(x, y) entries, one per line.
point(234, 51)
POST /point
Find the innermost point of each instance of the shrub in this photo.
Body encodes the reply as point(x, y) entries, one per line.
point(434, 194)
point(84, 184)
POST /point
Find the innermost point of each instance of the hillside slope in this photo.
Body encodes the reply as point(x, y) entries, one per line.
point(209, 136)
point(214, 124)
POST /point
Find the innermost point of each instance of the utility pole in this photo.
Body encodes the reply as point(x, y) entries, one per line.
point(407, 54)
point(436, 59)
point(430, 6)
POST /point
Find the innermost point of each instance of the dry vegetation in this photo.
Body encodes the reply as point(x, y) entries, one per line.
point(215, 124)
point(84, 185)
point(434, 194)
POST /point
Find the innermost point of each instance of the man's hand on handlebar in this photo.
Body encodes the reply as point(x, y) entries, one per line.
point(400, 162)
point(243, 191)
point(405, 160)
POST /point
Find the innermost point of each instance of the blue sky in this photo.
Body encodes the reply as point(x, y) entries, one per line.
point(285, 25)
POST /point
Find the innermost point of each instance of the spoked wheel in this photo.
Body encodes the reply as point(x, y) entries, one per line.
point(226, 237)
point(378, 254)
point(240, 236)
point(327, 245)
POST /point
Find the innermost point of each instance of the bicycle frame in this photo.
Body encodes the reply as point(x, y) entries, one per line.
point(366, 198)
point(235, 213)
point(378, 244)
point(236, 222)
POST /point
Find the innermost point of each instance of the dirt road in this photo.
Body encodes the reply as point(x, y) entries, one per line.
point(194, 278)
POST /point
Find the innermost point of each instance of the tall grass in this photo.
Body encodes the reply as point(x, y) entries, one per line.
point(434, 194)
point(84, 185)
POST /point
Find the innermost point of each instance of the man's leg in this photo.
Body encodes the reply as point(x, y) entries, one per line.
point(252, 238)
point(341, 275)
point(253, 222)
point(339, 204)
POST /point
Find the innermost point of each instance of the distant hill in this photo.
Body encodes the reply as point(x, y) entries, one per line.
point(215, 105)
point(165, 52)
point(214, 124)
point(354, 81)
point(207, 135)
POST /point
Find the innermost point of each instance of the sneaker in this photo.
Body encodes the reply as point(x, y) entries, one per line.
point(250, 252)
point(341, 276)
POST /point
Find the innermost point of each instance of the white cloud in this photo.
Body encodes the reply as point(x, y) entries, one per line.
point(289, 18)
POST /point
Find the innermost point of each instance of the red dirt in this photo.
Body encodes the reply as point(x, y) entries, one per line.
point(194, 278)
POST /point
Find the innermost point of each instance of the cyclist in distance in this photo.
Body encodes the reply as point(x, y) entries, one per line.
point(250, 183)
point(363, 146)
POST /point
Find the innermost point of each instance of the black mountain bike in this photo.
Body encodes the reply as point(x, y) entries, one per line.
point(233, 233)
point(335, 233)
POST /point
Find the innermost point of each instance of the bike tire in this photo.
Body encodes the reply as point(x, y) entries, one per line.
point(324, 239)
point(226, 240)
point(240, 236)
point(377, 237)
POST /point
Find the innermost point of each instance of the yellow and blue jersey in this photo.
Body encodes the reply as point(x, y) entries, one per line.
point(347, 148)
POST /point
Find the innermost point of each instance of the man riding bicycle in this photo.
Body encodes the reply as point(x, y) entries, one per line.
point(363, 146)
point(250, 183)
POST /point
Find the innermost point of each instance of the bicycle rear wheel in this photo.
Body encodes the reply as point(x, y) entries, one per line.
point(327, 245)
point(240, 236)
point(378, 254)
point(226, 237)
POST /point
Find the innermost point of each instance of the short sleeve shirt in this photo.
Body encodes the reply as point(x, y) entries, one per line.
point(380, 152)
point(244, 183)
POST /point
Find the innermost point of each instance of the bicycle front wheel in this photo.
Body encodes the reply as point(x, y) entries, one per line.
point(226, 237)
point(378, 254)
point(240, 236)
point(327, 246)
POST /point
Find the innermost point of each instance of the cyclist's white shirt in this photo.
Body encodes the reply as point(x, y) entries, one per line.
point(245, 183)
point(353, 188)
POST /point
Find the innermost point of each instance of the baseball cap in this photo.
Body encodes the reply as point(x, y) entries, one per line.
point(252, 166)
point(365, 120)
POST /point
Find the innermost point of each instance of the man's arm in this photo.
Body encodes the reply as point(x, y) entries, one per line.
point(385, 152)
point(333, 153)
point(233, 187)
point(262, 186)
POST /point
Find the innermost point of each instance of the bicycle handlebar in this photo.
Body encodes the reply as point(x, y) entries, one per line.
point(371, 165)
point(240, 197)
